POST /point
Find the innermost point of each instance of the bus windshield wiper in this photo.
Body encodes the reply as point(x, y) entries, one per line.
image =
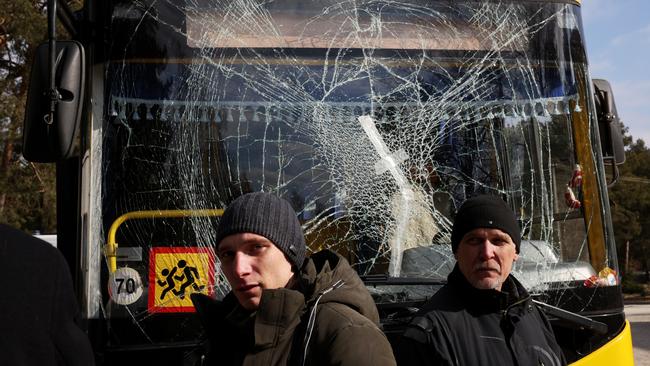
point(383, 279)
point(581, 320)
point(576, 319)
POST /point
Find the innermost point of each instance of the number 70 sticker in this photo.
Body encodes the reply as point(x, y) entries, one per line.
point(125, 286)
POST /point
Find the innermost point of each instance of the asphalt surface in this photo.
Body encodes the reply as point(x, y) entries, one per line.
point(639, 317)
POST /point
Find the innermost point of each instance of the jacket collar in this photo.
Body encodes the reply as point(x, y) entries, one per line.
point(487, 301)
point(278, 316)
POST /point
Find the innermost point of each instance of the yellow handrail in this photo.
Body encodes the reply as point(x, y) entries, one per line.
point(110, 251)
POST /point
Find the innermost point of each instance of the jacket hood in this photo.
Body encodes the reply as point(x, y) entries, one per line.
point(325, 276)
point(321, 273)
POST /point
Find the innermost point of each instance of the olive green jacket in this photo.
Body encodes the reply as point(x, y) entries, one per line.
point(328, 318)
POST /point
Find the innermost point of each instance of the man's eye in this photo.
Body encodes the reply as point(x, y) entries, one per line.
point(500, 241)
point(225, 255)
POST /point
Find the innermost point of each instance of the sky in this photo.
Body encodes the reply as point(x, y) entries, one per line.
point(617, 36)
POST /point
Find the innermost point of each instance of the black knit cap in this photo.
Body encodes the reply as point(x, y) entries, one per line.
point(484, 211)
point(269, 216)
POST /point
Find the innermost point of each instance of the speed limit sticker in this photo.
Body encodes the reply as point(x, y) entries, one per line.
point(125, 286)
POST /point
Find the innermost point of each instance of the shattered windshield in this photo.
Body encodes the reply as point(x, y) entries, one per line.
point(375, 119)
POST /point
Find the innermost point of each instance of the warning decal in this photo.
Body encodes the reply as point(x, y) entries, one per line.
point(177, 272)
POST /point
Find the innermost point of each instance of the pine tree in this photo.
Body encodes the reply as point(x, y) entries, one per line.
point(631, 207)
point(27, 190)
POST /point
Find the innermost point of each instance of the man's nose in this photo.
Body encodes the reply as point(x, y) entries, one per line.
point(241, 264)
point(486, 250)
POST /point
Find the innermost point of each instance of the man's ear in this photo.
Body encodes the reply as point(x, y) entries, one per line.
point(516, 257)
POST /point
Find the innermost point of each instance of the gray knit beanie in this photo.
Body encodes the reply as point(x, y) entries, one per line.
point(269, 216)
point(485, 211)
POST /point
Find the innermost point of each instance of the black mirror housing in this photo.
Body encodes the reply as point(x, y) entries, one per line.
point(45, 140)
point(609, 123)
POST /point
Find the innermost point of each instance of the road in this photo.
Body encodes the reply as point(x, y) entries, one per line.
point(639, 317)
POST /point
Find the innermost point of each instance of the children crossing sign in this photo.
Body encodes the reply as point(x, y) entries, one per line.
point(177, 272)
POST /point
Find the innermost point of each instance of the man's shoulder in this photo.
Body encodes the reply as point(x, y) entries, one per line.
point(447, 299)
point(211, 311)
point(443, 308)
point(38, 261)
point(341, 315)
point(19, 243)
point(336, 321)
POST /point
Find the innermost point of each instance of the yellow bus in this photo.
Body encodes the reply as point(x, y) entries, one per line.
point(374, 118)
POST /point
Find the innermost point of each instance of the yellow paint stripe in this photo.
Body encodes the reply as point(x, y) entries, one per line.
point(617, 352)
point(591, 200)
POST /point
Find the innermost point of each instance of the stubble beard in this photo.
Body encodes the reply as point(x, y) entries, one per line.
point(488, 284)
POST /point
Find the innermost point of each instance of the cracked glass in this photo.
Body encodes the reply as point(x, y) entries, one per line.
point(375, 119)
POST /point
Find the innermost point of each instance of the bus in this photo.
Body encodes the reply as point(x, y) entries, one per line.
point(376, 119)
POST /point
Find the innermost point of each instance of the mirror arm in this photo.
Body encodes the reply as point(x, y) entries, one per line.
point(615, 174)
point(53, 94)
point(67, 18)
point(577, 319)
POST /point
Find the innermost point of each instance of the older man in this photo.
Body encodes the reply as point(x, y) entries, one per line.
point(284, 309)
point(483, 315)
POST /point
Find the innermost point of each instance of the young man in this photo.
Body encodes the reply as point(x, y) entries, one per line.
point(483, 315)
point(284, 309)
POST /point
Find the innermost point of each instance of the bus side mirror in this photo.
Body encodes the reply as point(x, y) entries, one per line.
point(46, 138)
point(609, 124)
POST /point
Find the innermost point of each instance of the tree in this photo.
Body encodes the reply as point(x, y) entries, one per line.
point(631, 205)
point(27, 198)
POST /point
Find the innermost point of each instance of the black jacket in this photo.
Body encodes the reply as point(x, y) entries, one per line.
point(38, 310)
point(462, 325)
point(344, 332)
